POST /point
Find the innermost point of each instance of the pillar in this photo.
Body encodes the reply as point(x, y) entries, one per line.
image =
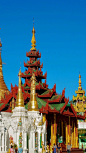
point(0, 142)
point(51, 134)
point(43, 137)
point(25, 142)
point(62, 128)
point(34, 140)
point(76, 134)
point(59, 128)
point(3, 141)
point(54, 136)
point(69, 132)
point(66, 134)
point(15, 136)
point(72, 135)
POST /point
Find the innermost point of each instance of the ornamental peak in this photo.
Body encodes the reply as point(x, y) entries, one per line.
point(19, 100)
point(80, 88)
point(33, 41)
point(33, 105)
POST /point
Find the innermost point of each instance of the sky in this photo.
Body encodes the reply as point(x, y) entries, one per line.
point(60, 37)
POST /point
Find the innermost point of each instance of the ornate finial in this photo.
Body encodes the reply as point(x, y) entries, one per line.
point(19, 100)
point(80, 88)
point(33, 41)
point(33, 105)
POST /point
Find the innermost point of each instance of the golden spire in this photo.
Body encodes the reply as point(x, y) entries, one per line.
point(79, 88)
point(3, 87)
point(33, 105)
point(19, 100)
point(33, 41)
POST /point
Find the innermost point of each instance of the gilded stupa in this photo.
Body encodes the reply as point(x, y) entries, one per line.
point(33, 105)
point(19, 99)
point(3, 87)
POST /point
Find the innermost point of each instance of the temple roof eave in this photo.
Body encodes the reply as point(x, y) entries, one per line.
point(80, 92)
point(29, 76)
point(75, 98)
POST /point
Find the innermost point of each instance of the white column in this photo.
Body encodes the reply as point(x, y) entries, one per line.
point(30, 143)
point(0, 141)
point(43, 137)
point(3, 141)
point(15, 137)
point(39, 140)
point(25, 140)
point(34, 140)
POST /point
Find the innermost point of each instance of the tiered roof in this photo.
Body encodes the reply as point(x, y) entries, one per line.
point(48, 100)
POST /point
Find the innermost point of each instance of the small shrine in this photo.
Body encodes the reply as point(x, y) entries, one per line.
point(79, 104)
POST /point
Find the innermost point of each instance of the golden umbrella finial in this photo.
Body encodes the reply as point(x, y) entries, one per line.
point(80, 88)
point(19, 100)
point(33, 41)
point(33, 105)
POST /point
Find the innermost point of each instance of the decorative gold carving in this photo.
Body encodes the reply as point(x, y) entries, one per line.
point(40, 123)
point(20, 122)
point(48, 148)
point(43, 148)
point(80, 107)
point(51, 149)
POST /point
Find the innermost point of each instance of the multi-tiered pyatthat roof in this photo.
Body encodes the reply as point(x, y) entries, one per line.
point(46, 100)
point(3, 87)
point(33, 65)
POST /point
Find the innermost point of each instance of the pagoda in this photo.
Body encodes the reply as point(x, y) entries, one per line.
point(3, 87)
point(59, 116)
point(31, 66)
point(79, 104)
